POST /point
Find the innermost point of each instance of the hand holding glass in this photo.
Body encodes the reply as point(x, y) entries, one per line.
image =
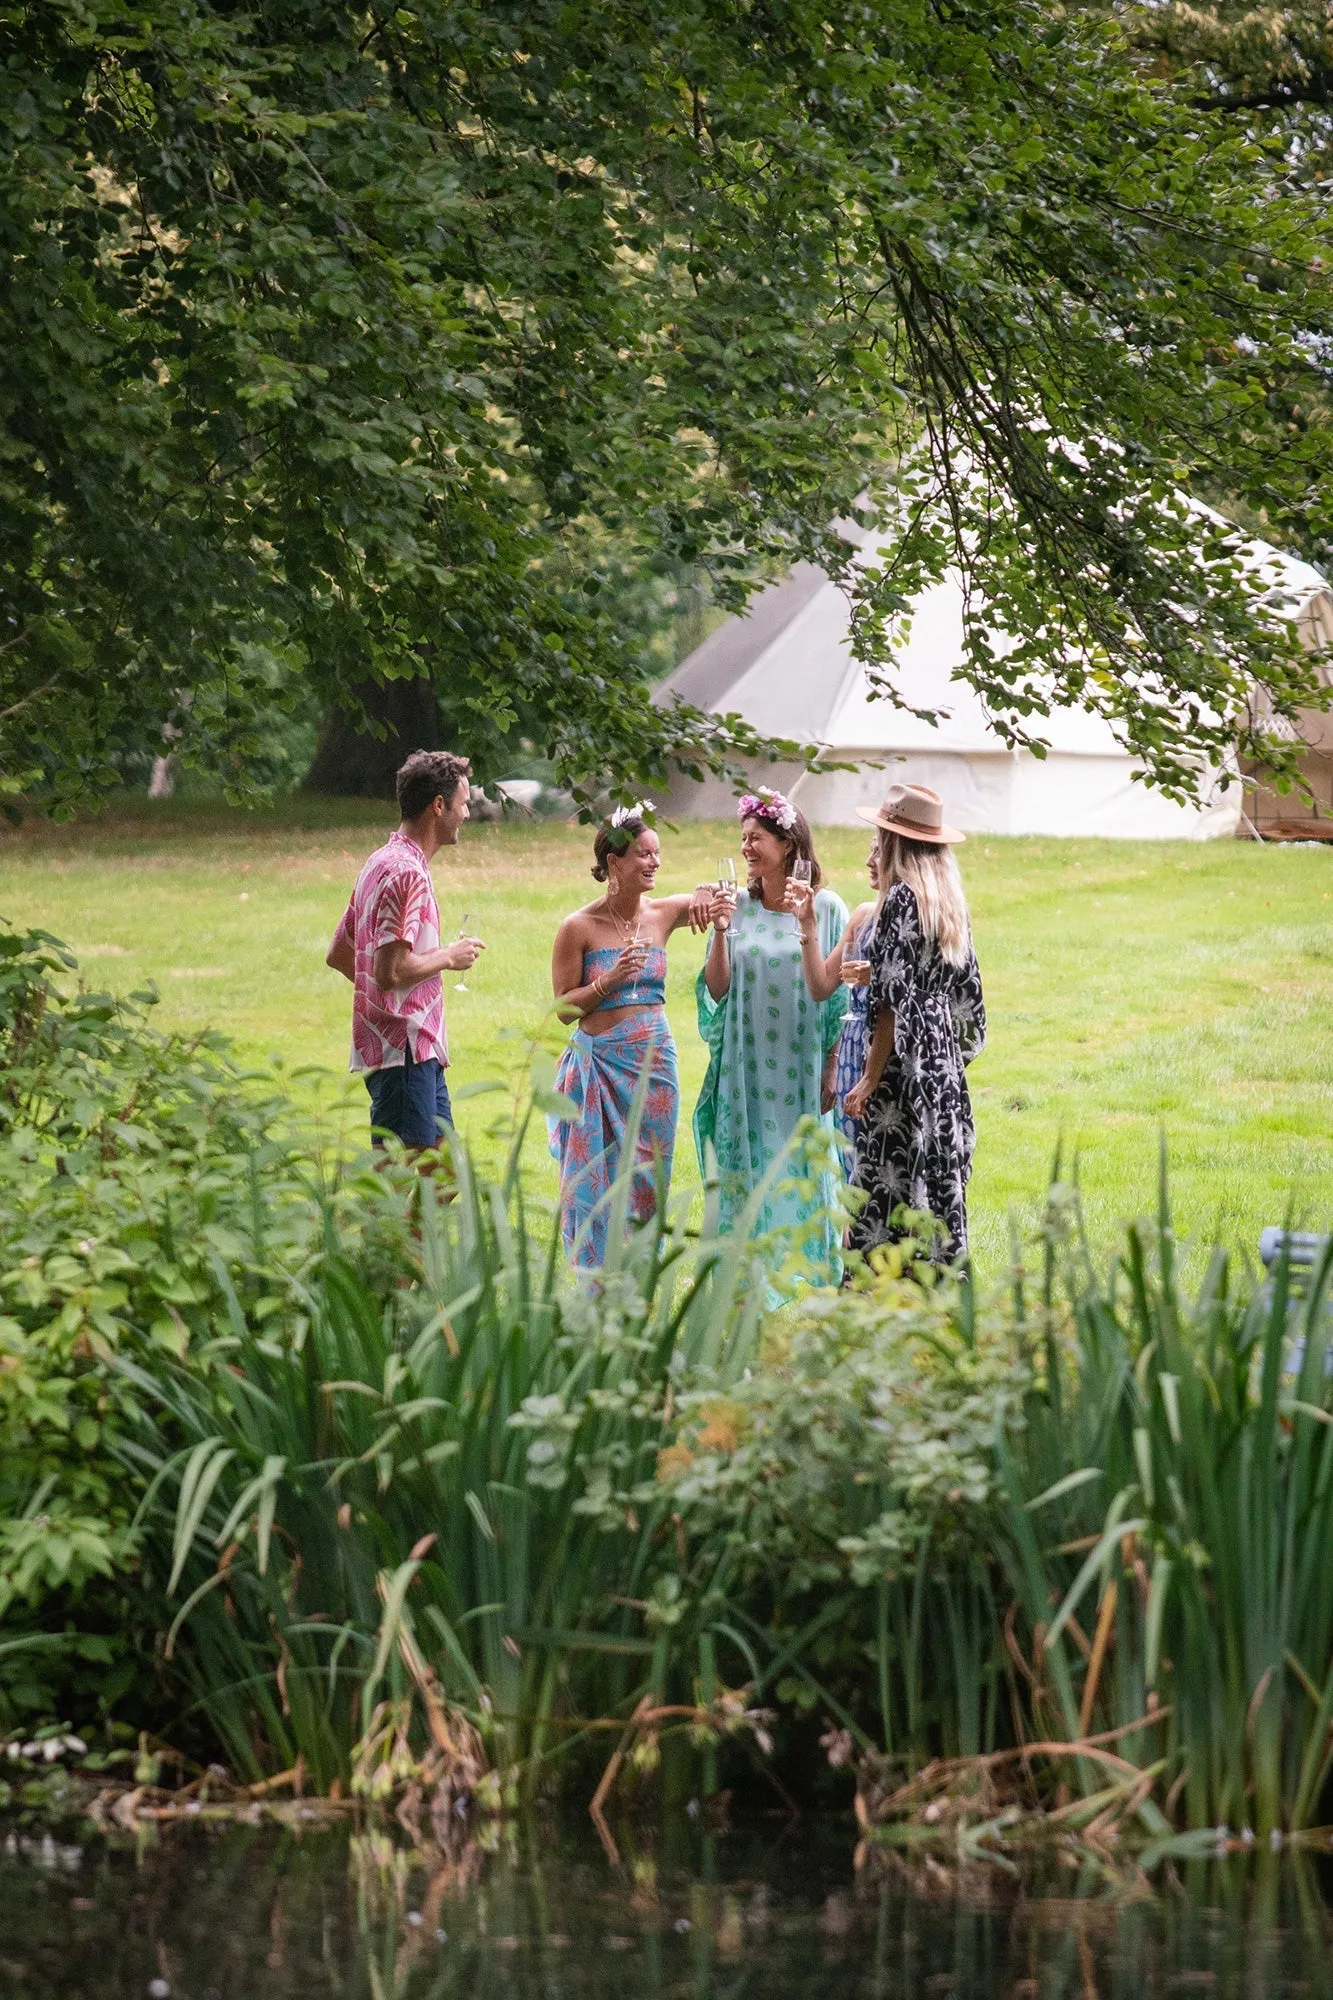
point(465, 930)
point(628, 965)
point(798, 889)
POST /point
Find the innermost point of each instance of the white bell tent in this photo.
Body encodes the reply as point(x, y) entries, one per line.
point(785, 666)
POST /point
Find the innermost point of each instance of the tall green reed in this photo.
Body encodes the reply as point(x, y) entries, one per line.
point(1095, 1506)
point(1169, 1512)
point(1135, 1551)
point(446, 1461)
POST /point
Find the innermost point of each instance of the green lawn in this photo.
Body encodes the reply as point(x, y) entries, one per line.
point(1131, 988)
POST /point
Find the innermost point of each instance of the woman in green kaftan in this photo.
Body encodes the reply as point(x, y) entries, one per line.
point(772, 1046)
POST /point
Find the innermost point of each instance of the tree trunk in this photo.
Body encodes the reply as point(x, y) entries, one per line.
point(350, 762)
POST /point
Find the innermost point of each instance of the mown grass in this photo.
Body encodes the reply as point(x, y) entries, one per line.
point(1131, 987)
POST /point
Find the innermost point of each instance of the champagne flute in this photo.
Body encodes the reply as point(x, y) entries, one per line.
point(726, 879)
point(633, 941)
point(465, 930)
point(800, 876)
point(855, 964)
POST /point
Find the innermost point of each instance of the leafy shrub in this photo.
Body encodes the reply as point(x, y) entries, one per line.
point(873, 1417)
point(148, 1190)
point(849, 1489)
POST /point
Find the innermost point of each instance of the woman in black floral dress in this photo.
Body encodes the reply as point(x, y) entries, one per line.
point(926, 1019)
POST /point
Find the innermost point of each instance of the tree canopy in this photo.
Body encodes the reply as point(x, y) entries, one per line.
point(367, 344)
point(1248, 57)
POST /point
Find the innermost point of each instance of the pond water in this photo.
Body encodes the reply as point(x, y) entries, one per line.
point(777, 1914)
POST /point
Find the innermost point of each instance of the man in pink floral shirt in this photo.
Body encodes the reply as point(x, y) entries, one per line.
point(388, 945)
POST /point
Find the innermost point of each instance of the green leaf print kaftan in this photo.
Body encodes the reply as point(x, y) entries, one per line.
point(767, 1043)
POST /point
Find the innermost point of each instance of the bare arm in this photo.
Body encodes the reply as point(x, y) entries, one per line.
point(881, 1048)
point(398, 967)
point(575, 997)
point(691, 907)
point(828, 1081)
point(717, 965)
point(341, 954)
point(877, 1056)
point(853, 965)
point(823, 976)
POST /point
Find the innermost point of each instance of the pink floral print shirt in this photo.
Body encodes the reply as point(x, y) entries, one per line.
point(394, 898)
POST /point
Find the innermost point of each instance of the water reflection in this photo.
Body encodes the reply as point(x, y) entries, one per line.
point(248, 1914)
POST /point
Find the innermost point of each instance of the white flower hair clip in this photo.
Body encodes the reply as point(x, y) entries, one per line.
point(619, 835)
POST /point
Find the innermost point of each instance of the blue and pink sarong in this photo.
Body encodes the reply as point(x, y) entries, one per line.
point(600, 1075)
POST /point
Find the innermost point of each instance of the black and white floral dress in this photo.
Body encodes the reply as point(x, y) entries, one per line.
point(915, 1145)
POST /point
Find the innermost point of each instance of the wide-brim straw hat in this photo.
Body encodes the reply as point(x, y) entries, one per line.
point(917, 812)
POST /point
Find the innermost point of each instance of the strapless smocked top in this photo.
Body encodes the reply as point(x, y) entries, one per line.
point(647, 990)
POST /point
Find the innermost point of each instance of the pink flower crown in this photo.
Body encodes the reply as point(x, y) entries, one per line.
point(768, 805)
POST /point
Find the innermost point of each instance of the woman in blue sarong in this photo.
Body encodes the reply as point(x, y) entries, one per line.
point(608, 969)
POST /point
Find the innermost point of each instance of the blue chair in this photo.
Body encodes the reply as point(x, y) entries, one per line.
point(1304, 1250)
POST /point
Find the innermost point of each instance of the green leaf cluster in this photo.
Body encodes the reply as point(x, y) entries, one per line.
point(867, 1437)
point(346, 346)
point(148, 1190)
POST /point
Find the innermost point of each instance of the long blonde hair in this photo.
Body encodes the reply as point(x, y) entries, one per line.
point(931, 873)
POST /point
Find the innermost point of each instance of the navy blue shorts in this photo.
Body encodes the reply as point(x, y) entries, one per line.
point(411, 1101)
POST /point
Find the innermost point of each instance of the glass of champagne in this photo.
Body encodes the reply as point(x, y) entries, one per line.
point(726, 879)
point(465, 930)
point(800, 878)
